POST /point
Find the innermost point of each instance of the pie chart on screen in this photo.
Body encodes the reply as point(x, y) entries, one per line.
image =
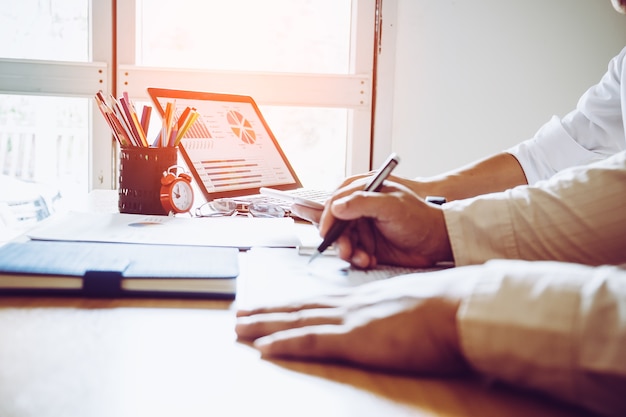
point(241, 127)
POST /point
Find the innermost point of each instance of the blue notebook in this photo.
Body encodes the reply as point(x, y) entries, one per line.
point(92, 269)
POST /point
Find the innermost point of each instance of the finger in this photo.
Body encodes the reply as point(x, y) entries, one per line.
point(363, 260)
point(328, 218)
point(363, 204)
point(351, 189)
point(328, 342)
point(356, 205)
point(324, 301)
point(348, 249)
point(307, 213)
point(358, 244)
point(363, 236)
point(253, 327)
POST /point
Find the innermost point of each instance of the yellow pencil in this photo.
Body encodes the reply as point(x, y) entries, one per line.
point(167, 117)
point(190, 121)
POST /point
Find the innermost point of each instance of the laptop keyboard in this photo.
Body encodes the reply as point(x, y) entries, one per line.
point(319, 196)
point(313, 195)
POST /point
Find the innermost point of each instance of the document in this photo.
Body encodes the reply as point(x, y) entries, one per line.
point(237, 232)
point(117, 269)
point(289, 275)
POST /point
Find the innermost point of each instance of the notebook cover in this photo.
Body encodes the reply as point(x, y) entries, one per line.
point(117, 269)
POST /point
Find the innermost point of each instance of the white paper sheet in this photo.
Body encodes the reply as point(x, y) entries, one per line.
point(288, 275)
point(240, 232)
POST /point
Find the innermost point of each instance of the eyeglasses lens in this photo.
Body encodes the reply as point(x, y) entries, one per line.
point(217, 208)
point(223, 207)
point(266, 210)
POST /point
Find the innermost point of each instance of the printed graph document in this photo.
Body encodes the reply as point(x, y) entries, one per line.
point(117, 269)
point(237, 232)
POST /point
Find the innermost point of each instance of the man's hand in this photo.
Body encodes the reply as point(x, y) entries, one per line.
point(314, 215)
point(393, 226)
point(404, 324)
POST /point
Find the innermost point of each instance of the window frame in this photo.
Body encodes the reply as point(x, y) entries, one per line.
point(75, 79)
point(352, 91)
point(111, 68)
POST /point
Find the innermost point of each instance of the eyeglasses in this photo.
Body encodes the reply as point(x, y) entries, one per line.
point(224, 207)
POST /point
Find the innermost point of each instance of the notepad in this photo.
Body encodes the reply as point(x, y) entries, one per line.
point(116, 270)
point(236, 232)
point(297, 279)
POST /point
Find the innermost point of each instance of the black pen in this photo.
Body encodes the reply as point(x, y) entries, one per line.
point(339, 226)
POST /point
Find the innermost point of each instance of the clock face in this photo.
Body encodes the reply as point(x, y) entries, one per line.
point(182, 195)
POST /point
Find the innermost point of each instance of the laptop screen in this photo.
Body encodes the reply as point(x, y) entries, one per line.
point(230, 149)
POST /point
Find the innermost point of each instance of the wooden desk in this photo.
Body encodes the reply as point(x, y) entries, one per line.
point(91, 357)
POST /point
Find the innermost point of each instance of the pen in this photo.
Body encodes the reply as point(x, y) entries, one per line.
point(435, 199)
point(338, 226)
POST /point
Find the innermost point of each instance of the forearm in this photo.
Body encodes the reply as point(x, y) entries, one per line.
point(576, 216)
point(493, 174)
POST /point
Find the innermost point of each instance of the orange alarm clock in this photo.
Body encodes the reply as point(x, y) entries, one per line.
point(176, 191)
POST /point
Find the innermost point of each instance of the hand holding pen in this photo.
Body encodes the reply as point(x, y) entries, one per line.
point(374, 185)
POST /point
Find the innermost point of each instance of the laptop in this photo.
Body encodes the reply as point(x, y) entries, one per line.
point(230, 149)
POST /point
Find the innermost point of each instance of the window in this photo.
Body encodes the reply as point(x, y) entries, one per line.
point(47, 75)
point(245, 35)
point(308, 64)
point(44, 139)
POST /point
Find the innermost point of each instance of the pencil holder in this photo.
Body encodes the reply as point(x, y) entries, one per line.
point(141, 170)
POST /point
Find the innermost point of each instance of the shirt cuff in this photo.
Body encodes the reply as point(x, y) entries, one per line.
point(517, 325)
point(480, 229)
point(551, 150)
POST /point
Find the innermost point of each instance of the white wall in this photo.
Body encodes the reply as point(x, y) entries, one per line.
point(469, 78)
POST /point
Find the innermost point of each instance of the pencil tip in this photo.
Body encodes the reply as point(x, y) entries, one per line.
point(315, 255)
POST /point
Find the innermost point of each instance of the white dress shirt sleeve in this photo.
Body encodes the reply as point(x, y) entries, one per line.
point(575, 216)
point(555, 327)
point(593, 131)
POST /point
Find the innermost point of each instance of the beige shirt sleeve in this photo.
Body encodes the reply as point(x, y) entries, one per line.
point(579, 215)
point(555, 327)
